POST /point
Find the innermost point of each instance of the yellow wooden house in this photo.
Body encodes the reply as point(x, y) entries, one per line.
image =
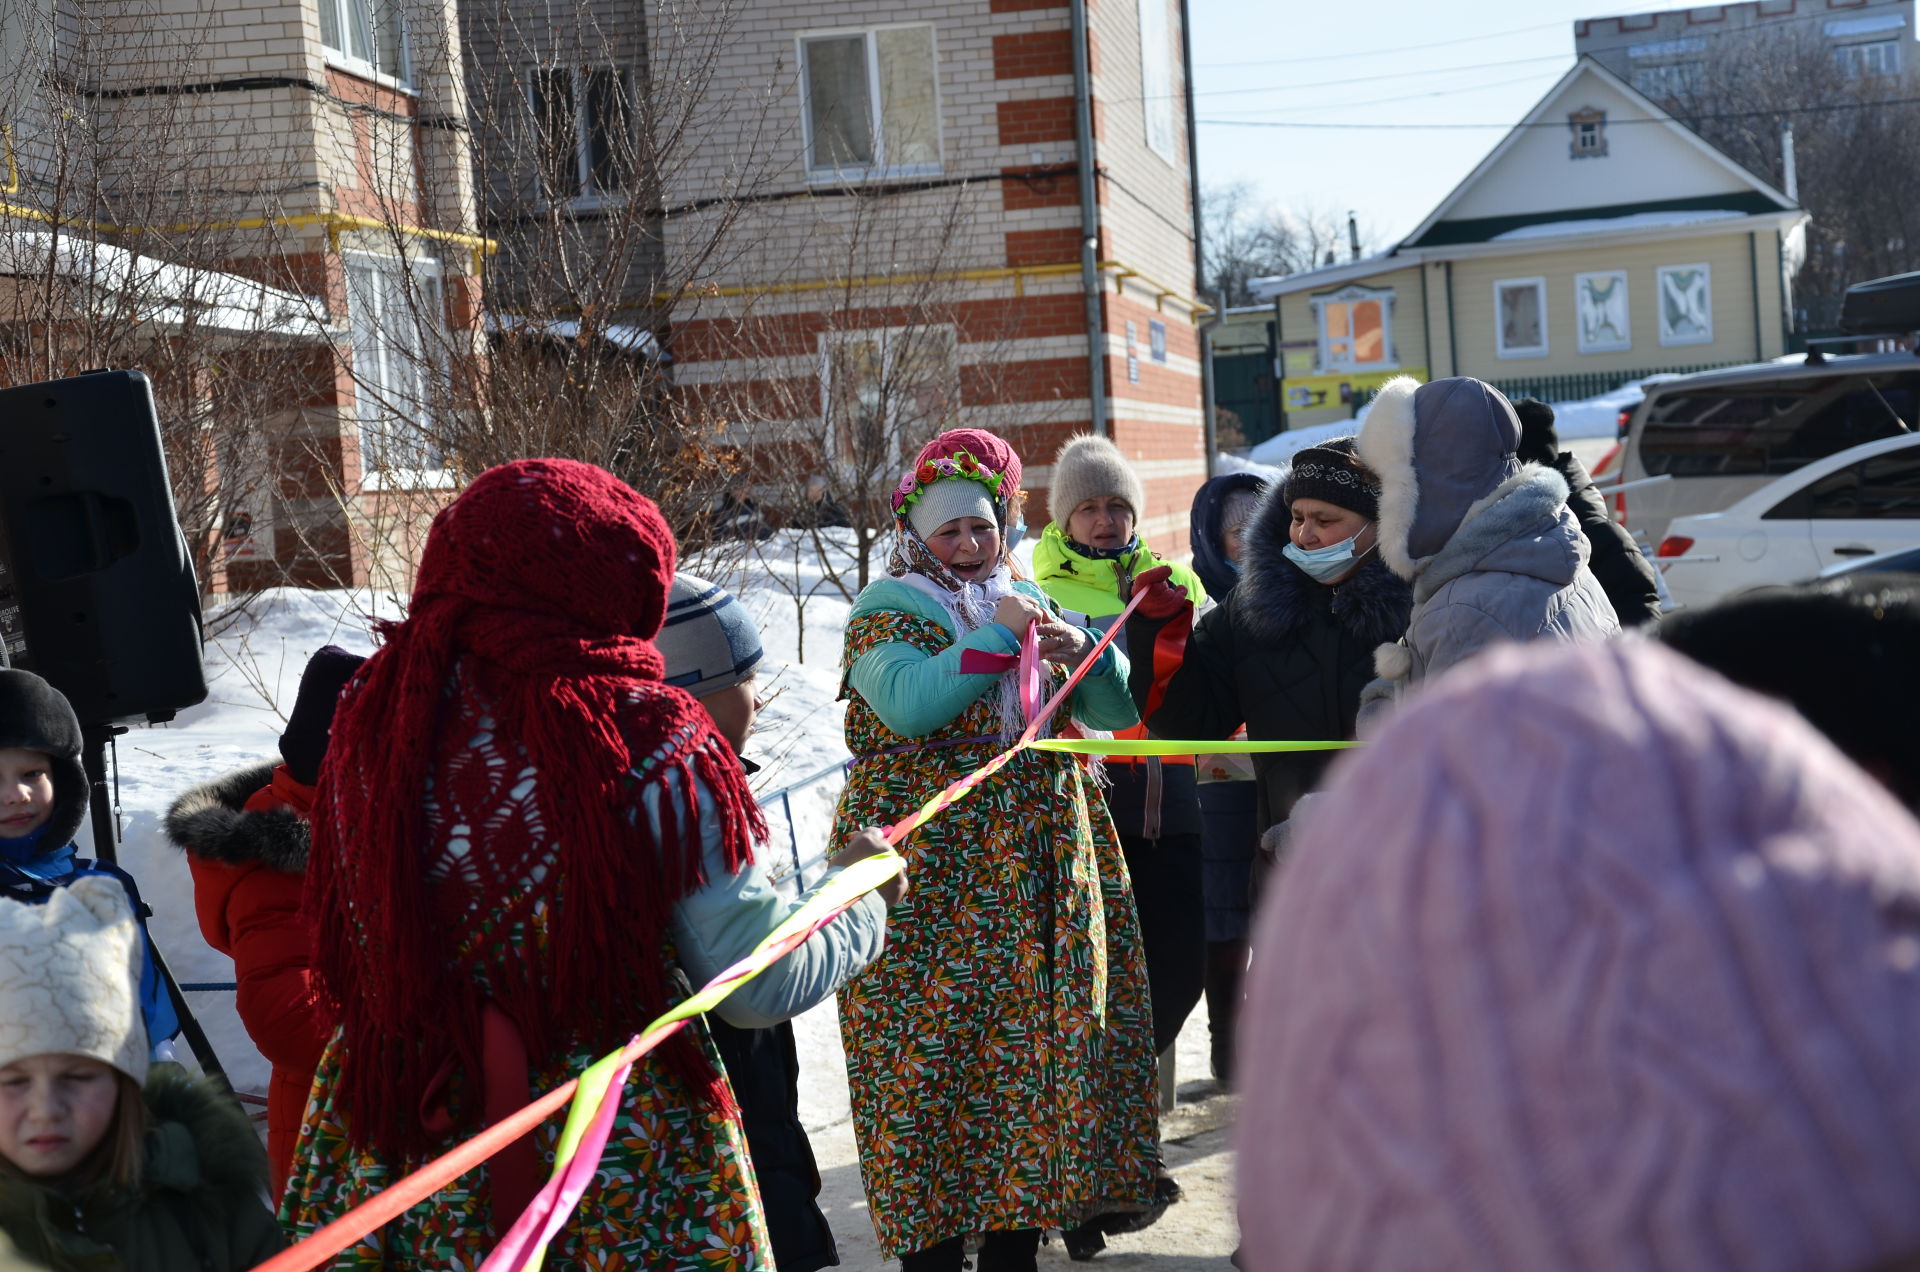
point(1601, 241)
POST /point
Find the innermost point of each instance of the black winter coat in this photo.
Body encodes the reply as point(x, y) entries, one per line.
point(1285, 656)
point(1625, 575)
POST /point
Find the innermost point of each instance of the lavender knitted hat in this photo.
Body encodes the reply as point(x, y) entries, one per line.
point(1625, 974)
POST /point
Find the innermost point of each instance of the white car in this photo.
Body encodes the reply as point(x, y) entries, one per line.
point(1856, 503)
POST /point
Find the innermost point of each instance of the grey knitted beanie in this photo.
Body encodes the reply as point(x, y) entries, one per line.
point(1088, 467)
point(1589, 961)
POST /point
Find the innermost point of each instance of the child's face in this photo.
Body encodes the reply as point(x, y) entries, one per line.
point(26, 791)
point(54, 1110)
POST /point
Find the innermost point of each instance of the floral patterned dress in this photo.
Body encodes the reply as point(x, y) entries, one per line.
point(999, 1051)
point(675, 1189)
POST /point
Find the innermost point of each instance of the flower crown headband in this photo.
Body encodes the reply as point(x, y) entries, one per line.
point(960, 464)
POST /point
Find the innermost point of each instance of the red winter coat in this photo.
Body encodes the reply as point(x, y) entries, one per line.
point(246, 838)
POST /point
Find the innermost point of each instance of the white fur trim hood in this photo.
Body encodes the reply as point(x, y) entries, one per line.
point(1385, 445)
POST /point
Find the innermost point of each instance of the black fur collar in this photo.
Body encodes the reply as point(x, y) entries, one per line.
point(211, 822)
point(1275, 596)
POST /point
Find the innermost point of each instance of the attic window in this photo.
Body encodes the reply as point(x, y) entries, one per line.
point(1589, 128)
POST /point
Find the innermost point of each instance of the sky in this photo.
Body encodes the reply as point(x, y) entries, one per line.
point(1258, 63)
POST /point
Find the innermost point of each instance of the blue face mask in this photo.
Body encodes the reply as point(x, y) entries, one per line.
point(1323, 565)
point(1016, 532)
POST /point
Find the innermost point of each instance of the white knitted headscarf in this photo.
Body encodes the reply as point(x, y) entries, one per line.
point(69, 977)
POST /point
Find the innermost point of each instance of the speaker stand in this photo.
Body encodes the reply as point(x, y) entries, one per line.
point(106, 838)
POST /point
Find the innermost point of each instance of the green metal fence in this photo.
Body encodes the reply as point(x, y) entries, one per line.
point(1586, 384)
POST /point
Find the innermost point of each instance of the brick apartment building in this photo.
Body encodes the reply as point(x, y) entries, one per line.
point(912, 250)
point(1664, 54)
point(286, 182)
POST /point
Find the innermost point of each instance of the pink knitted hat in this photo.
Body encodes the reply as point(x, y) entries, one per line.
point(1591, 961)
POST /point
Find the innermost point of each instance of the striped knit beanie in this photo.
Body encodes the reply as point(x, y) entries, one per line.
point(709, 641)
point(1623, 972)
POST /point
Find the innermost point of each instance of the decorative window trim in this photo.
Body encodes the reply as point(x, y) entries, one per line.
point(1501, 348)
point(1625, 342)
point(881, 168)
point(1589, 128)
point(1667, 336)
point(1323, 359)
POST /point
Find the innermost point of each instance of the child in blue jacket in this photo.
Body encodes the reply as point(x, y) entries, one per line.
point(43, 801)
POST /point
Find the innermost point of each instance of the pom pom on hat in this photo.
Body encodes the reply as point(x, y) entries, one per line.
point(69, 977)
point(710, 642)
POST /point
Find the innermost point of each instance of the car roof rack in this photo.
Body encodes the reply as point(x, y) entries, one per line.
point(1816, 356)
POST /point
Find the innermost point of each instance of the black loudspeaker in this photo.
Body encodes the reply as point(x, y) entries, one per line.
point(97, 591)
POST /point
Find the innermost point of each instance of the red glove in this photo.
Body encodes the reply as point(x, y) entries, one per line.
point(1161, 599)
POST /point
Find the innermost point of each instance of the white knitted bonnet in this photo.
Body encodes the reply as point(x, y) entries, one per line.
point(69, 977)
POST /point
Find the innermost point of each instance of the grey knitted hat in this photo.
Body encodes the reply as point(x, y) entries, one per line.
point(69, 977)
point(709, 640)
point(1088, 467)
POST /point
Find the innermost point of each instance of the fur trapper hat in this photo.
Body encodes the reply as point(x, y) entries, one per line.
point(69, 977)
point(35, 716)
point(1088, 467)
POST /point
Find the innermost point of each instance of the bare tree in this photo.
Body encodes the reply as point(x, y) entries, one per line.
point(1244, 240)
point(1856, 145)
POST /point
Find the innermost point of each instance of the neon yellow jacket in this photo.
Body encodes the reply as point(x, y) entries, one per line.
point(1092, 586)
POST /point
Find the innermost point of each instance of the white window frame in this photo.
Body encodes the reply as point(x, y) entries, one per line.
point(888, 340)
point(586, 195)
point(380, 475)
point(353, 63)
point(1501, 347)
point(1667, 338)
point(881, 167)
point(1853, 59)
point(1352, 295)
point(1625, 343)
point(1158, 92)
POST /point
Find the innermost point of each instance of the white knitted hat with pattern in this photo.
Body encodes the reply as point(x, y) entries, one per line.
point(70, 975)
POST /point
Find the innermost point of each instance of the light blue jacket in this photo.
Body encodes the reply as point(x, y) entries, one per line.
point(716, 926)
point(916, 693)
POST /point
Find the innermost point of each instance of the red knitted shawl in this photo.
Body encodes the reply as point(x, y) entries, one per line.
point(545, 583)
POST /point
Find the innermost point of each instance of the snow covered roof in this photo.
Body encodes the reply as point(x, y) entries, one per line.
point(1608, 224)
point(162, 292)
point(1326, 276)
point(625, 339)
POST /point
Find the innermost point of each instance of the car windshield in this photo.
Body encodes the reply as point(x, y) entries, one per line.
point(1773, 427)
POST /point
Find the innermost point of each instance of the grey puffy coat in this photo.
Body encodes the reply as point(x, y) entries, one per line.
point(1487, 542)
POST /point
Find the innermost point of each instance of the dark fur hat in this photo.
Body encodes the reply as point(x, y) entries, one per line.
point(35, 716)
point(1539, 442)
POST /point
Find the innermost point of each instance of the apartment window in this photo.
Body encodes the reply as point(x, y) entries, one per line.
point(394, 315)
point(1685, 298)
point(1674, 81)
point(882, 388)
point(1600, 311)
point(1520, 317)
point(585, 131)
point(1874, 60)
point(366, 37)
point(1156, 76)
point(872, 103)
point(1356, 329)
